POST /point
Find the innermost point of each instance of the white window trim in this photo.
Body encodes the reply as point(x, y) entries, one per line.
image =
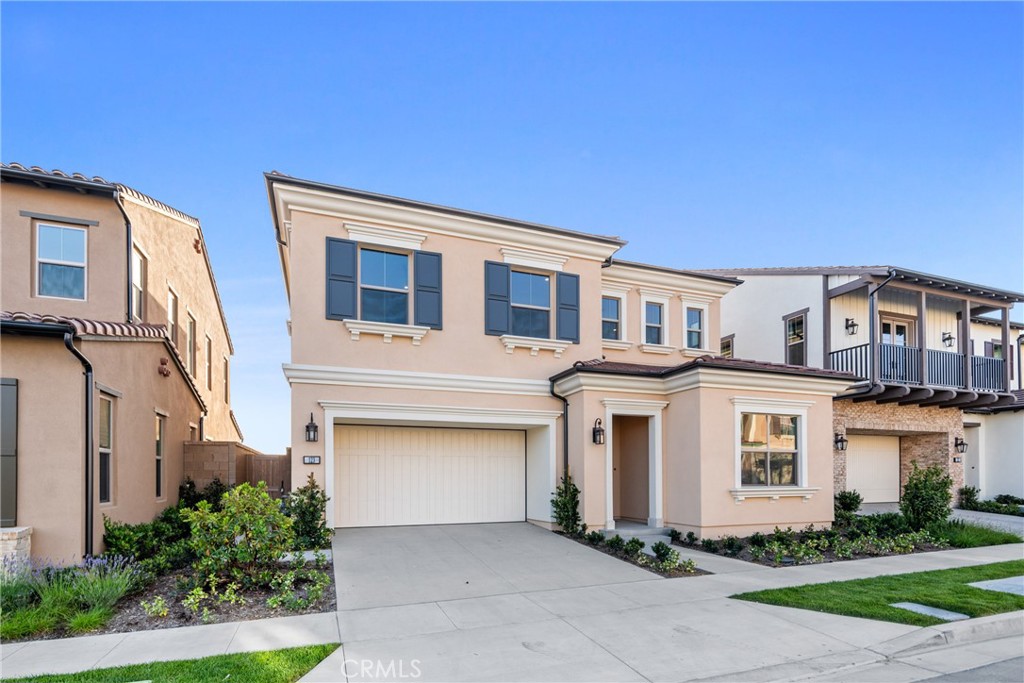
point(408, 291)
point(144, 276)
point(653, 410)
point(771, 406)
point(191, 353)
point(552, 293)
point(388, 331)
point(705, 308)
point(622, 343)
point(173, 334)
point(110, 454)
point(84, 265)
point(208, 357)
point(385, 237)
point(665, 299)
point(162, 420)
point(533, 259)
point(226, 380)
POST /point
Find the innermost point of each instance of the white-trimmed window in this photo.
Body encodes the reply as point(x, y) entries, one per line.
point(190, 345)
point(769, 449)
point(611, 317)
point(160, 443)
point(106, 449)
point(208, 357)
point(654, 323)
point(530, 299)
point(227, 381)
point(61, 262)
point(696, 319)
point(172, 315)
point(796, 337)
point(726, 346)
point(383, 286)
point(138, 285)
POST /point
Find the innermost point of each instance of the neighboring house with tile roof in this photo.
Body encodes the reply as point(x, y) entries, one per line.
point(937, 359)
point(448, 366)
point(127, 281)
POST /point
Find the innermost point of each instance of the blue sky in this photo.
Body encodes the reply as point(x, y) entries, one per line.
point(707, 135)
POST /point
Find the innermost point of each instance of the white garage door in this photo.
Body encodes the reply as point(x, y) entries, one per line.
point(873, 467)
point(415, 475)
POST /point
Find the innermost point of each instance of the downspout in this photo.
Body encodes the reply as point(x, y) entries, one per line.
point(873, 326)
point(128, 232)
point(69, 342)
point(565, 427)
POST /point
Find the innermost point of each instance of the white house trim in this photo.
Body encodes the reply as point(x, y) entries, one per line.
point(743, 404)
point(621, 293)
point(386, 330)
point(398, 379)
point(711, 378)
point(512, 342)
point(385, 237)
point(642, 408)
point(655, 296)
point(704, 306)
point(539, 425)
point(533, 259)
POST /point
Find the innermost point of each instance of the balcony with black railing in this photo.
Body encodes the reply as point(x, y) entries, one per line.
point(902, 365)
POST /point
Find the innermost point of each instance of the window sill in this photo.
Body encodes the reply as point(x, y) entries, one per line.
point(616, 344)
point(657, 348)
point(535, 345)
point(386, 330)
point(697, 353)
point(773, 492)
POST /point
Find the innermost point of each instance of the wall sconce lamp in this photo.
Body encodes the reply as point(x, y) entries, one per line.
point(851, 326)
point(840, 442)
point(311, 429)
point(598, 432)
point(960, 445)
point(948, 339)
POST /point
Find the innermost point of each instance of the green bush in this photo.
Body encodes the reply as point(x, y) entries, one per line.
point(99, 582)
point(1007, 499)
point(960, 534)
point(926, 496)
point(160, 539)
point(616, 543)
point(882, 524)
point(15, 585)
point(662, 550)
point(968, 497)
point(634, 547)
point(244, 541)
point(307, 506)
point(28, 622)
point(674, 535)
point(709, 545)
point(758, 540)
point(566, 505)
point(691, 538)
point(732, 545)
point(90, 619)
point(298, 588)
point(595, 538)
point(847, 501)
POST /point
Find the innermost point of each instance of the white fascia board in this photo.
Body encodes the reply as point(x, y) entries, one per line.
point(325, 203)
point(430, 381)
point(676, 282)
point(394, 413)
point(601, 382)
point(720, 378)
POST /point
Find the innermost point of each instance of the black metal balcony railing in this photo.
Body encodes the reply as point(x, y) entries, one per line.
point(900, 364)
point(946, 369)
point(987, 373)
point(854, 360)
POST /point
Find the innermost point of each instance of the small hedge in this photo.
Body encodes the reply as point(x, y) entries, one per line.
point(1002, 505)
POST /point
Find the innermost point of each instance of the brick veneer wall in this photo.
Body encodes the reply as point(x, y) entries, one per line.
point(926, 435)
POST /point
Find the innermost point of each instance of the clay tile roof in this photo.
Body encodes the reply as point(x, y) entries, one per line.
point(642, 370)
point(96, 328)
point(55, 173)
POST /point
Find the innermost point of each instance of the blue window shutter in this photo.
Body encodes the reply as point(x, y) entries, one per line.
point(567, 296)
point(498, 304)
point(341, 279)
point(427, 289)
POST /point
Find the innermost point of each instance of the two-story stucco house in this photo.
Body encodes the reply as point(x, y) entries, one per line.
point(448, 366)
point(115, 353)
point(937, 362)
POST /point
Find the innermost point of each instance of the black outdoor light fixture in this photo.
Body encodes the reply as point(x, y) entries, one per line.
point(948, 338)
point(311, 429)
point(598, 432)
point(840, 442)
point(960, 445)
point(851, 326)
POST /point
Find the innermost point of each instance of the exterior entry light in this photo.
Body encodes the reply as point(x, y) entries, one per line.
point(840, 442)
point(311, 429)
point(598, 432)
point(851, 326)
point(948, 338)
point(960, 445)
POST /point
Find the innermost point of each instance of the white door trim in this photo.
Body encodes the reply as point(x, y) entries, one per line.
point(652, 409)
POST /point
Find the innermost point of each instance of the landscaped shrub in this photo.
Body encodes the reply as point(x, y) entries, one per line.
point(691, 538)
point(663, 551)
point(732, 545)
point(758, 540)
point(960, 534)
point(848, 501)
point(158, 544)
point(1007, 499)
point(674, 535)
point(882, 524)
point(566, 505)
point(244, 541)
point(634, 547)
point(616, 543)
point(709, 545)
point(307, 506)
point(595, 538)
point(90, 619)
point(926, 496)
point(784, 537)
point(15, 585)
point(968, 497)
point(99, 582)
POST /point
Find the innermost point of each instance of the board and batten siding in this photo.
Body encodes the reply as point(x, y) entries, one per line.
point(941, 314)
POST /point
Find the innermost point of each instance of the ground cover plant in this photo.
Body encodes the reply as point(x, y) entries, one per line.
point(1001, 505)
point(272, 666)
point(871, 598)
point(666, 561)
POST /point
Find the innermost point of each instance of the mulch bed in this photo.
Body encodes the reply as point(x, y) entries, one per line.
point(671, 574)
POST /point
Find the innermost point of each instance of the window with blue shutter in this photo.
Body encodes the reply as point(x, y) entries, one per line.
point(497, 303)
point(567, 295)
point(427, 289)
point(341, 279)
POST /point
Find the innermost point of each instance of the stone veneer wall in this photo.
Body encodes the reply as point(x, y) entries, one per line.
point(15, 543)
point(926, 435)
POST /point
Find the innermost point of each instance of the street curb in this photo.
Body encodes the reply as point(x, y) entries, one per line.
point(956, 633)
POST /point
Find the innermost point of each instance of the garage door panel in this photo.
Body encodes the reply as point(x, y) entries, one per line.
point(873, 467)
point(405, 475)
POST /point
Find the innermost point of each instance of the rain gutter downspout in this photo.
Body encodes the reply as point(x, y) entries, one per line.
point(872, 387)
point(130, 245)
point(69, 342)
point(565, 428)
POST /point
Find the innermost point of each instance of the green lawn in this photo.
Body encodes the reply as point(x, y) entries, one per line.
point(870, 598)
point(273, 666)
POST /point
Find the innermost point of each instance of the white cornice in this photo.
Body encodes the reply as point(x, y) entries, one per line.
point(677, 282)
point(773, 493)
point(762, 402)
point(633, 403)
point(388, 237)
point(533, 259)
point(513, 342)
point(386, 330)
point(418, 413)
point(629, 384)
point(396, 379)
point(657, 348)
point(326, 203)
point(617, 344)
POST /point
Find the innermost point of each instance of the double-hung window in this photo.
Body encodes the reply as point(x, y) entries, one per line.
point(208, 357)
point(611, 318)
point(227, 381)
point(654, 325)
point(172, 315)
point(769, 451)
point(160, 456)
point(531, 305)
point(138, 285)
point(61, 259)
point(190, 345)
point(727, 343)
point(796, 343)
point(695, 328)
point(106, 449)
point(383, 286)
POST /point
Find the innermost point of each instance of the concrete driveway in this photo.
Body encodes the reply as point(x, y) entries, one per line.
point(512, 602)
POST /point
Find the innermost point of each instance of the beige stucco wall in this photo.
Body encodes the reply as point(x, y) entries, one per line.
point(105, 252)
point(50, 455)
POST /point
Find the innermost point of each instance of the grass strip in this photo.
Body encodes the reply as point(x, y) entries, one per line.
point(870, 598)
point(270, 666)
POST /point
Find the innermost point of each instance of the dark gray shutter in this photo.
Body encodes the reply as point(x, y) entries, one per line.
point(497, 300)
point(9, 452)
point(567, 295)
point(427, 289)
point(341, 279)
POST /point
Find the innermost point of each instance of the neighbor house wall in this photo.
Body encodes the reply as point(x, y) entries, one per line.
point(1001, 455)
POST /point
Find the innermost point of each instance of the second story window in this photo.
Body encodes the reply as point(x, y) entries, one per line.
point(208, 357)
point(611, 318)
point(694, 328)
point(531, 305)
point(172, 315)
point(653, 323)
point(726, 351)
point(61, 256)
point(190, 345)
point(227, 381)
point(796, 343)
point(138, 285)
point(383, 287)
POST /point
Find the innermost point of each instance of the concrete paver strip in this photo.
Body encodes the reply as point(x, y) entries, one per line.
point(926, 610)
point(1013, 585)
